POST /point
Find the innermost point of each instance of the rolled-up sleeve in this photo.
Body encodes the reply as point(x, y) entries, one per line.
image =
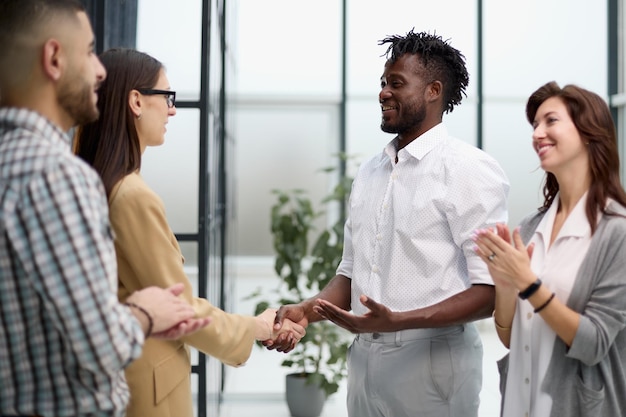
point(478, 199)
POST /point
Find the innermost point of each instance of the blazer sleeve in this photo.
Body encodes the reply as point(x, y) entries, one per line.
point(148, 254)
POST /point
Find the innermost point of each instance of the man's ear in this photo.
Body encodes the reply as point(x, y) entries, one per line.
point(134, 102)
point(434, 91)
point(53, 59)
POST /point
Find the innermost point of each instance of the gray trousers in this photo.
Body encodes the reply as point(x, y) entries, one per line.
point(415, 373)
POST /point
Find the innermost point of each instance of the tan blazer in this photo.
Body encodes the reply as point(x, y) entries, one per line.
point(148, 254)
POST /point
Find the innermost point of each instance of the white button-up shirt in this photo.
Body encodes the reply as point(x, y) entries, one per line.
point(408, 234)
point(532, 340)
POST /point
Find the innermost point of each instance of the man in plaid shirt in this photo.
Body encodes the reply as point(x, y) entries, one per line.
point(64, 337)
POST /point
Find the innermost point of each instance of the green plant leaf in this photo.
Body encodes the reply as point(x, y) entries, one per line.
point(303, 268)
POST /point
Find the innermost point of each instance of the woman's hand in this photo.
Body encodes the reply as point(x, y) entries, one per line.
point(506, 256)
point(289, 332)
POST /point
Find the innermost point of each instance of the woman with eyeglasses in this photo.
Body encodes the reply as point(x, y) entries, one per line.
point(135, 102)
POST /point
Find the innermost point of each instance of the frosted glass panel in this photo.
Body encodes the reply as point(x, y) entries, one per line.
point(289, 47)
point(282, 49)
point(190, 253)
point(508, 139)
point(363, 126)
point(280, 147)
point(562, 40)
point(172, 170)
point(171, 32)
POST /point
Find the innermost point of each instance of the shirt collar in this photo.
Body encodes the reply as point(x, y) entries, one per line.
point(576, 224)
point(22, 118)
point(421, 146)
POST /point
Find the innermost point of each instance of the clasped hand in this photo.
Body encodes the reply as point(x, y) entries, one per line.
point(289, 333)
point(506, 256)
point(172, 316)
point(379, 318)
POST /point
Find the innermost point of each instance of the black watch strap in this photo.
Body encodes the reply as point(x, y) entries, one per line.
point(532, 288)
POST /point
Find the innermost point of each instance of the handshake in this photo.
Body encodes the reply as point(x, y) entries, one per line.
point(289, 332)
point(165, 315)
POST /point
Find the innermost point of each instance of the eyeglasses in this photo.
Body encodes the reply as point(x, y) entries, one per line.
point(170, 96)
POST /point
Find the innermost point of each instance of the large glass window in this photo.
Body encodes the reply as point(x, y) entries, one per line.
point(284, 88)
point(171, 31)
point(300, 57)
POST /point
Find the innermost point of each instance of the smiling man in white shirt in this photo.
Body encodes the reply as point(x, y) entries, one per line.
point(410, 284)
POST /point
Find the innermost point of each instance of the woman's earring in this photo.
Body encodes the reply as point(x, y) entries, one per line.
point(139, 116)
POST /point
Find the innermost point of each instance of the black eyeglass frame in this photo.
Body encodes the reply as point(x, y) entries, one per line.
point(170, 95)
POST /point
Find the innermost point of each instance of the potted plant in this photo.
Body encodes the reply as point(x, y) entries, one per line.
point(319, 359)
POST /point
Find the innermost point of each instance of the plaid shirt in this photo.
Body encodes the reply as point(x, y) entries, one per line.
point(64, 338)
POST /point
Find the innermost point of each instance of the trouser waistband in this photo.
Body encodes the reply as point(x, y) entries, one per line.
point(409, 334)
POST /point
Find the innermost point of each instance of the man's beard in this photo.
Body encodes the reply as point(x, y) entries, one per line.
point(75, 99)
point(413, 116)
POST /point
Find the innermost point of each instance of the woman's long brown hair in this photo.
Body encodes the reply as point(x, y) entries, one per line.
point(110, 144)
point(592, 117)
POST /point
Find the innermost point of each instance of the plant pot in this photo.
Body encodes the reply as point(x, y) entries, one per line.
point(303, 400)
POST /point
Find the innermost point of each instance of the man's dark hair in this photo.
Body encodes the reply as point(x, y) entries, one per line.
point(20, 23)
point(22, 16)
point(441, 61)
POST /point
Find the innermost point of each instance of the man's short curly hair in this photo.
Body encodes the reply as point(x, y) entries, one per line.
point(441, 62)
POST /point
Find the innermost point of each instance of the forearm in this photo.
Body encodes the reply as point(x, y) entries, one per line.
point(563, 320)
point(143, 316)
point(263, 328)
point(338, 292)
point(506, 301)
point(475, 303)
point(229, 338)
